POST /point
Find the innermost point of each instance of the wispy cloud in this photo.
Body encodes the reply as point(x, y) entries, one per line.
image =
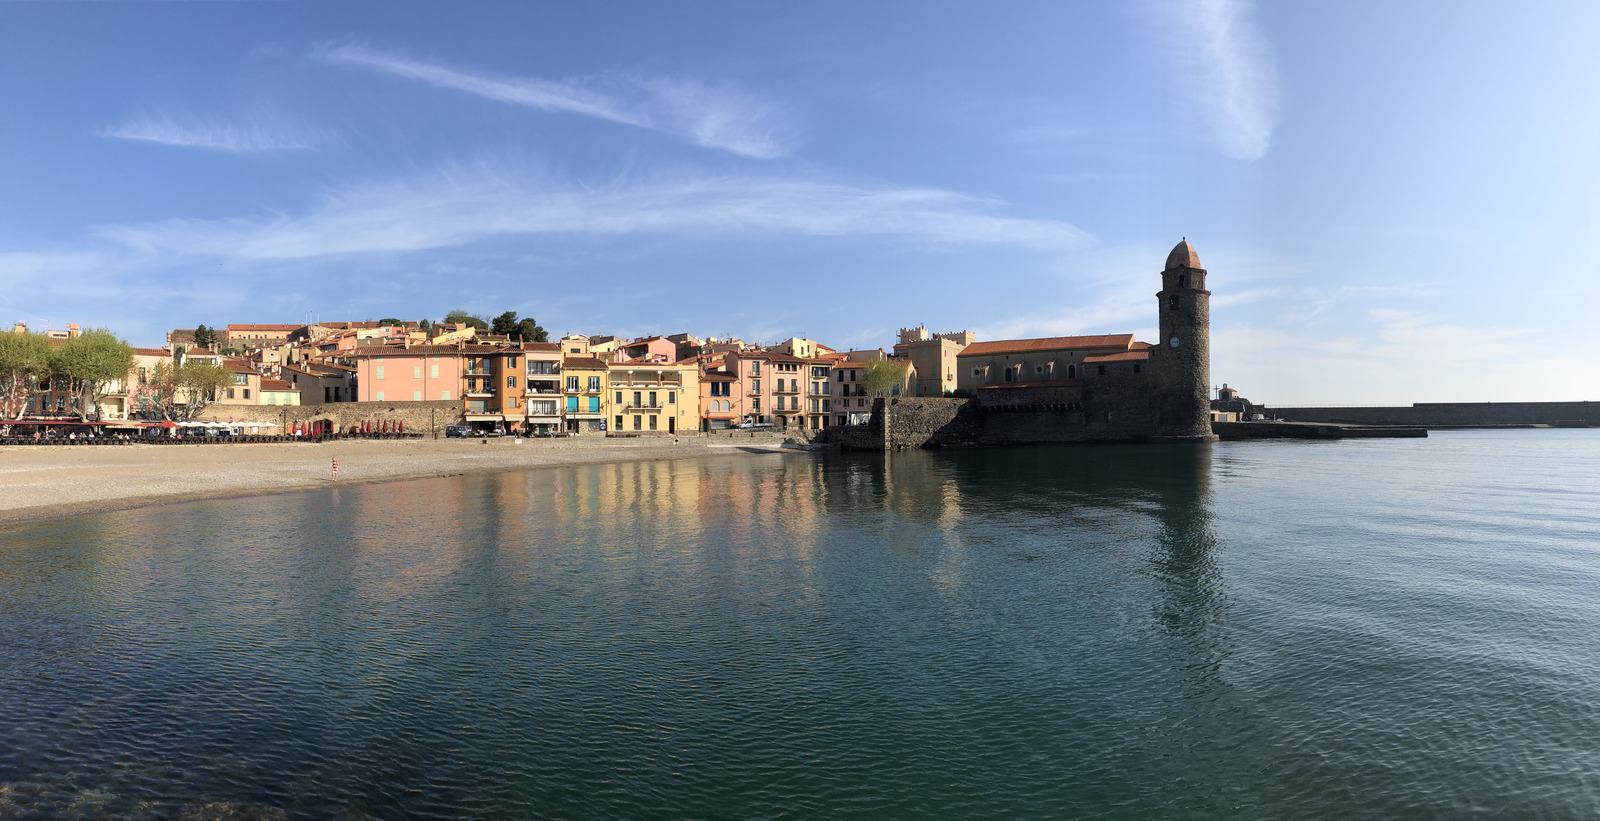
point(211, 135)
point(707, 115)
point(1226, 71)
point(473, 205)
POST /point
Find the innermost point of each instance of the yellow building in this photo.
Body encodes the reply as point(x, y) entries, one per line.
point(583, 394)
point(654, 397)
point(279, 392)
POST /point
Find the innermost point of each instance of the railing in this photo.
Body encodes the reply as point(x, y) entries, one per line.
point(479, 372)
point(480, 391)
point(643, 407)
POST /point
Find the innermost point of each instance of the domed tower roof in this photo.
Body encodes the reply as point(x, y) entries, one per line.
point(1183, 256)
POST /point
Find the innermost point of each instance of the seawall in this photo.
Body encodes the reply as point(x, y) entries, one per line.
point(1450, 414)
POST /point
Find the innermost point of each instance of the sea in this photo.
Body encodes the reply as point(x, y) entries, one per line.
point(1386, 628)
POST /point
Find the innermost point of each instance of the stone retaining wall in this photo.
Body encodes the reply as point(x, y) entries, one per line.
point(415, 416)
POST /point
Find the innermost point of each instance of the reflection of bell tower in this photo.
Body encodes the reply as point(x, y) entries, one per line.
point(1182, 359)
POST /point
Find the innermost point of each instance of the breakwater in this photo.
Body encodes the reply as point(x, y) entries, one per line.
point(1449, 414)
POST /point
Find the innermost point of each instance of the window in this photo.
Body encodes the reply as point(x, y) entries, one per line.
point(977, 372)
point(444, 396)
point(230, 393)
point(572, 384)
point(242, 379)
point(619, 397)
point(511, 402)
point(672, 397)
point(572, 404)
point(652, 423)
point(618, 426)
point(755, 386)
point(594, 384)
point(1183, 280)
point(755, 405)
point(636, 402)
point(272, 399)
point(541, 367)
point(416, 371)
point(638, 422)
point(1135, 367)
point(380, 396)
point(512, 363)
point(825, 407)
point(841, 376)
point(574, 350)
point(380, 371)
point(1172, 304)
point(755, 368)
point(1102, 370)
point(511, 381)
point(433, 371)
point(416, 396)
point(1009, 376)
point(653, 399)
point(144, 376)
point(1072, 371)
point(594, 404)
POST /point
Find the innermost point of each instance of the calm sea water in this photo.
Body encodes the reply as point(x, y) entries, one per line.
point(1382, 629)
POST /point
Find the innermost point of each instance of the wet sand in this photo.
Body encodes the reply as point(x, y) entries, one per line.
point(38, 482)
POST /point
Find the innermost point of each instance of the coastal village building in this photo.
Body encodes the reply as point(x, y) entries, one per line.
point(819, 396)
point(320, 384)
point(246, 387)
point(1051, 363)
point(790, 375)
point(654, 397)
point(583, 384)
point(934, 358)
point(752, 372)
point(244, 337)
point(419, 373)
point(721, 400)
point(279, 392)
point(851, 405)
point(648, 349)
point(543, 405)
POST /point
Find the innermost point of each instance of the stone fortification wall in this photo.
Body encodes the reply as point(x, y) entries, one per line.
point(1449, 414)
point(416, 416)
point(932, 422)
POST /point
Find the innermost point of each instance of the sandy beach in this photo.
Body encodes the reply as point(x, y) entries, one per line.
point(37, 482)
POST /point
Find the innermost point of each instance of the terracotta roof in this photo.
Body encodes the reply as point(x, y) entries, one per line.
point(423, 350)
point(265, 327)
point(277, 385)
point(545, 347)
point(1183, 256)
point(152, 352)
point(1049, 343)
point(238, 365)
point(200, 352)
point(584, 362)
point(1125, 356)
point(1047, 383)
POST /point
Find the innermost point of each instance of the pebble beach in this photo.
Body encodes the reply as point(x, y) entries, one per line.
point(39, 482)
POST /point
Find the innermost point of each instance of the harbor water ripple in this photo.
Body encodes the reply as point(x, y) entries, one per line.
point(1355, 629)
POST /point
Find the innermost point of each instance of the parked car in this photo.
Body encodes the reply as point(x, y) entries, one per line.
point(452, 431)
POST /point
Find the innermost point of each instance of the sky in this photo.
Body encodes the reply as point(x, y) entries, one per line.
point(1395, 202)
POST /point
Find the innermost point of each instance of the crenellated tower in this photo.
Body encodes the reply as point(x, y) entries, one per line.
point(1182, 360)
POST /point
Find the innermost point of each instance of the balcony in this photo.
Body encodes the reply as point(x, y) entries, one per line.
point(479, 372)
point(632, 408)
point(481, 391)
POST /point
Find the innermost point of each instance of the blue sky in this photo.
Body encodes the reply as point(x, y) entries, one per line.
point(1396, 202)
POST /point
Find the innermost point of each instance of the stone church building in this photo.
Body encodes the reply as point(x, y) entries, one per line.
point(1110, 386)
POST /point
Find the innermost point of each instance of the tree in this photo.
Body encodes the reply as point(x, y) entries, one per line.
point(24, 361)
point(205, 337)
point(92, 362)
point(392, 322)
point(530, 331)
point(460, 317)
point(182, 391)
point(882, 376)
point(425, 326)
point(505, 323)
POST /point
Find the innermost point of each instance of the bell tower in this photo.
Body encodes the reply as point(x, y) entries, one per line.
point(1182, 359)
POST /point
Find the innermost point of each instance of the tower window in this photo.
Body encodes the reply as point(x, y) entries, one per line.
point(1102, 370)
point(1172, 304)
point(1183, 280)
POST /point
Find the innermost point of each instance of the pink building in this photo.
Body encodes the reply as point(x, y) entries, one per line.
point(648, 349)
point(420, 373)
point(752, 373)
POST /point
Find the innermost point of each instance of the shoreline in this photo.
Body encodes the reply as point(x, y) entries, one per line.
point(51, 482)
